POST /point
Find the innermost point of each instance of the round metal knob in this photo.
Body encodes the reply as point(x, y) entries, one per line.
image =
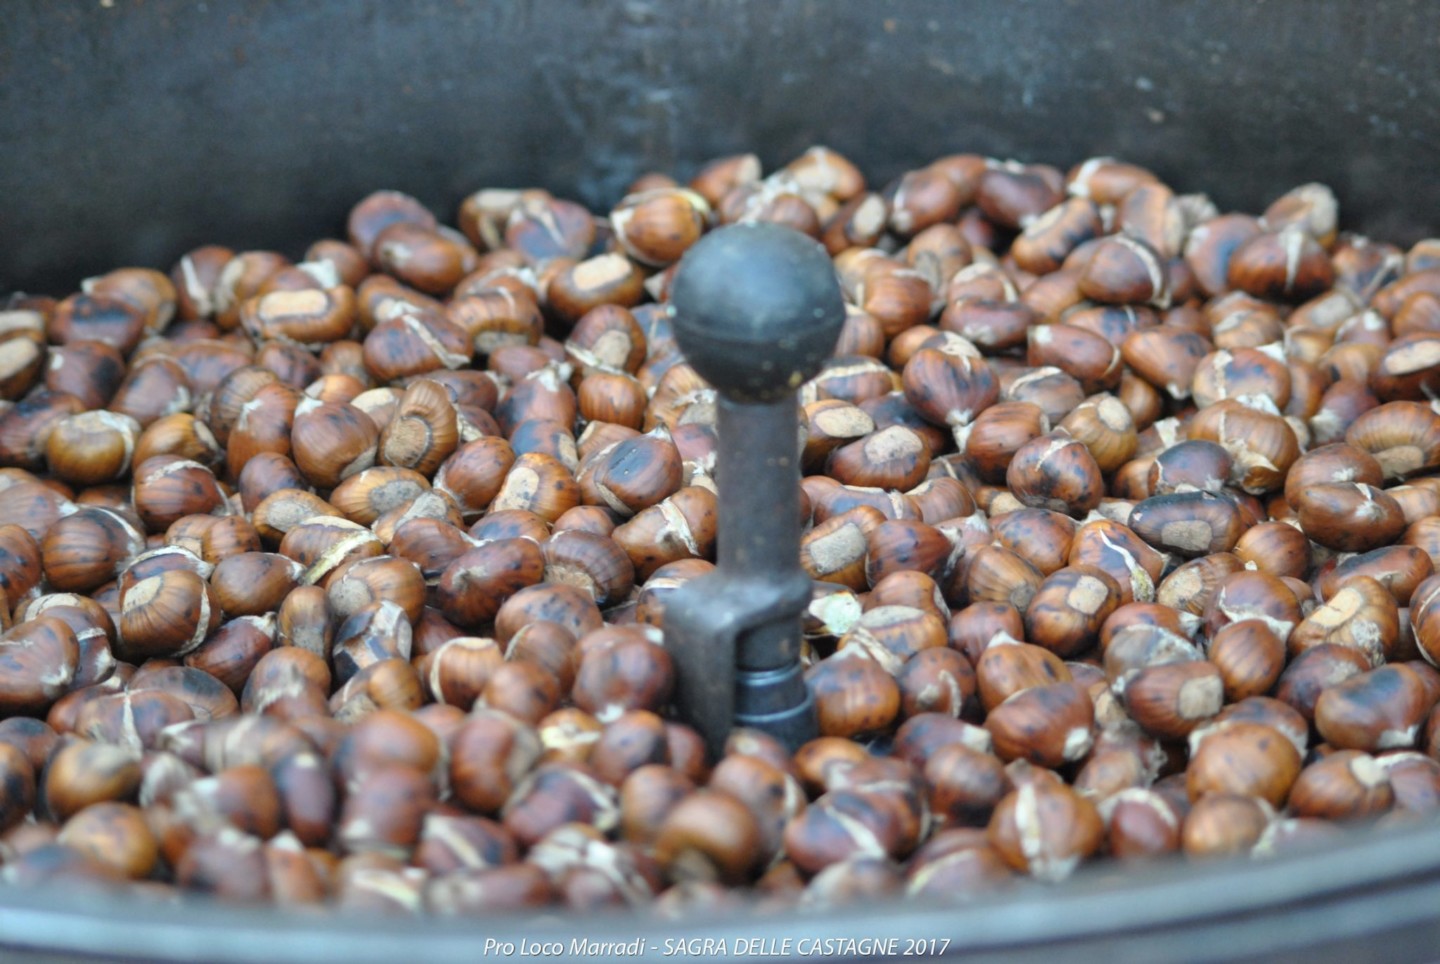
point(757, 310)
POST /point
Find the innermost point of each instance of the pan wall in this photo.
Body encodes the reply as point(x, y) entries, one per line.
point(135, 129)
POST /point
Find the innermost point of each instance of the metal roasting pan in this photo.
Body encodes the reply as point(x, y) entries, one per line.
point(132, 130)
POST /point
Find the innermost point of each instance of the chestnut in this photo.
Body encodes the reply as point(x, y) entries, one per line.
point(82, 773)
point(1048, 725)
point(554, 794)
point(489, 756)
point(853, 695)
point(1045, 829)
point(1377, 710)
point(1224, 824)
point(622, 672)
point(1347, 784)
point(39, 658)
point(1055, 472)
point(1242, 758)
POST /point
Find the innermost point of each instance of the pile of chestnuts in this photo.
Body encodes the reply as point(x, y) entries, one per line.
point(340, 580)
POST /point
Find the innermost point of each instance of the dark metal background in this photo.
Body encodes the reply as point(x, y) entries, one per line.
point(131, 130)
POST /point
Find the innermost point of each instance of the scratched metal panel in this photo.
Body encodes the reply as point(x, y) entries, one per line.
point(133, 129)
